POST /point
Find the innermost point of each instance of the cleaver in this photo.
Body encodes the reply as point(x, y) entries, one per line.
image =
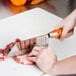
point(40, 41)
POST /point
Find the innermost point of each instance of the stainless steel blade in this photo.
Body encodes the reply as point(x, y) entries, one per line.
point(40, 41)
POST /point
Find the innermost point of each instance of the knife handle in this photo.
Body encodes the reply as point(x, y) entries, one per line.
point(57, 33)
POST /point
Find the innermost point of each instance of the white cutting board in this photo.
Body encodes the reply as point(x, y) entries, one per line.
point(11, 68)
point(26, 25)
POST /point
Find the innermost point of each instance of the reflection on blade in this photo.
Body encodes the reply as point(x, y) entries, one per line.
point(16, 52)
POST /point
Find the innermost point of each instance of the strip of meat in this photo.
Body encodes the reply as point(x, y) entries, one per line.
point(22, 60)
point(2, 58)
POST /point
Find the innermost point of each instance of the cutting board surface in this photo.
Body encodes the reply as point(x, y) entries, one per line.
point(10, 68)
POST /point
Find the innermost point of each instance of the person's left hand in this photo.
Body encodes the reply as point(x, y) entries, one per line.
point(44, 58)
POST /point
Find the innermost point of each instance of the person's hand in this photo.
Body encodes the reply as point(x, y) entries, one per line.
point(26, 44)
point(67, 24)
point(44, 58)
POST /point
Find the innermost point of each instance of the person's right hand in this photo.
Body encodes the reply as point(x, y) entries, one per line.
point(67, 24)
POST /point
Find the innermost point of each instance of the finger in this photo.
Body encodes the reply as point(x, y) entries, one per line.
point(36, 50)
point(39, 49)
point(64, 34)
point(19, 45)
point(32, 59)
point(26, 44)
point(33, 54)
point(69, 34)
point(72, 30)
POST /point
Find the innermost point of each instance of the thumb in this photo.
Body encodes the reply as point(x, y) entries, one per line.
point(58, 26)
point(69, 34)
point(64, 34)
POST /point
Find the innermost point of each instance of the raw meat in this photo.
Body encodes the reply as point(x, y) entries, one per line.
point(22, 60)
point(5, 51)
point(12, 47)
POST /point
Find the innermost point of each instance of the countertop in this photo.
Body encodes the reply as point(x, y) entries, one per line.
point(60, 8)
